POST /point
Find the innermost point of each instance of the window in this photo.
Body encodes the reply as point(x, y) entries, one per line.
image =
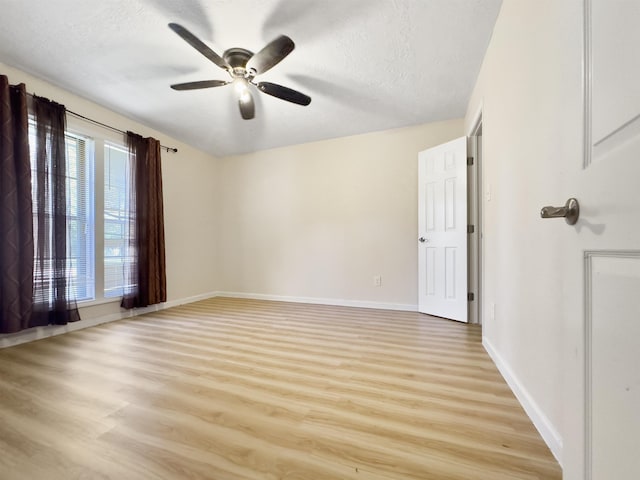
point(80, 212)
point(116, 218)
point(97, 187)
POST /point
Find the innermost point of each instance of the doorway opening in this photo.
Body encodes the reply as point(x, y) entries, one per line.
point(475, 253)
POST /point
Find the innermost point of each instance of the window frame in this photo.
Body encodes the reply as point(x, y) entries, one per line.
point(84, 179)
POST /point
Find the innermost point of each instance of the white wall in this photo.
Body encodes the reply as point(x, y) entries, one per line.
point(189, 181)
point(317, 221)
point(529, 89)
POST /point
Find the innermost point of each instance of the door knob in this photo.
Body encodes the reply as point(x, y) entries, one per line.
point(570, 212)
point(423, 240)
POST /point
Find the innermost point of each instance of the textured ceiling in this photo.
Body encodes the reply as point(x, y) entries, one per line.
point(367, 64)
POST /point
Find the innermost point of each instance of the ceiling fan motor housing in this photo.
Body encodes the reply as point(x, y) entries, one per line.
point(237, 59)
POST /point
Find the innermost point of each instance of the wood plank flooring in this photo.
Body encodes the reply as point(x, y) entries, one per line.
point(246, 389)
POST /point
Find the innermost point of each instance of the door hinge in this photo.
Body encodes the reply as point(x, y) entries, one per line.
point(470, 297)
point(471, 228)
point(469, 161)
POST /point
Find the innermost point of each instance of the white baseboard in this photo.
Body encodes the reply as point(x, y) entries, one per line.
point(38, 333)
point(548, 433)
point(185, 300)
point(322, 301)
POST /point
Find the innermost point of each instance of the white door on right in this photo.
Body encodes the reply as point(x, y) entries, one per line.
point(608, 232)
point(442, 229)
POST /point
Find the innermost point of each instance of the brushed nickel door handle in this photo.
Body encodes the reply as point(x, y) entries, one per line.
point(570, 211)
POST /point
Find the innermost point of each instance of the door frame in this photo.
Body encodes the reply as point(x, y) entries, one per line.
point(475, 244)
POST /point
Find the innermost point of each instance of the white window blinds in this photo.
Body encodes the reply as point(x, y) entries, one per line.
point(116, 218)
point(80, 216)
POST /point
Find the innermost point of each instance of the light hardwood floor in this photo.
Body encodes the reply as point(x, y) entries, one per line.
point(244, 389)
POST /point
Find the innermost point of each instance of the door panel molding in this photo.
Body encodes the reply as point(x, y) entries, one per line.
point(590, 257)
point(587, 82)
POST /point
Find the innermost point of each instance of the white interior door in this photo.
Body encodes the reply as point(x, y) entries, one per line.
point(442, 230)
point(608, 235)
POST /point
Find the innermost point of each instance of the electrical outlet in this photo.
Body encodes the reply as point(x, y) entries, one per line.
point(377, 280)
point(492, 311)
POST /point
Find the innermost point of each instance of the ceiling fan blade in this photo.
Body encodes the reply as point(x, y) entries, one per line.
point(271, 55)
point(196, 43)
point(284, 93)
point(201, 84)
point(247, 106)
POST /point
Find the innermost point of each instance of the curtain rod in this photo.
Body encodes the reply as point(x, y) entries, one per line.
point(168, 149)
point(96, 122)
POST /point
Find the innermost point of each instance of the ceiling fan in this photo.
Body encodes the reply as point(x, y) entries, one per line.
point(243, 66)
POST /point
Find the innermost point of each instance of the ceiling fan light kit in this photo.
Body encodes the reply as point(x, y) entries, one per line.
point(243, 66)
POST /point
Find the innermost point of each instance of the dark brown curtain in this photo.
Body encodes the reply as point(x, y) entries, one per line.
point(146, 283)
point(16, 227)
point(54, 297)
